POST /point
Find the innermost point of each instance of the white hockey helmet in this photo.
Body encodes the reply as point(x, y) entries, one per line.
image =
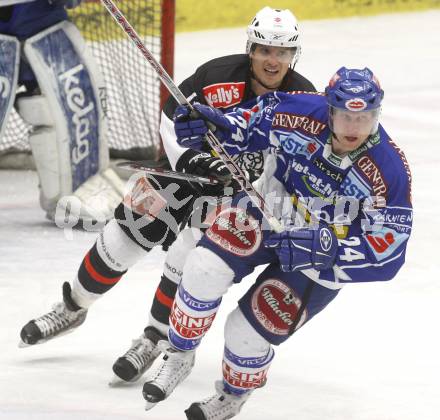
point(274, 27)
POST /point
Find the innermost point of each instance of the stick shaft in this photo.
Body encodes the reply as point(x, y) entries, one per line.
point(181, 99)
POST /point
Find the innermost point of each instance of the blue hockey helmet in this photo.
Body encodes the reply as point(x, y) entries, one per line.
point(354, 97)
point(354, 90)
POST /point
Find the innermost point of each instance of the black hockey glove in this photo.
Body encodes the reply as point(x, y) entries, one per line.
point(204, 164)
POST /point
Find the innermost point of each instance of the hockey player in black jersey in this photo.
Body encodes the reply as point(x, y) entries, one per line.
point(272, 51)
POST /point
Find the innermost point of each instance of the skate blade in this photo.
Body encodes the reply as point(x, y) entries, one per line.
point(23, 345)
point(149, 405)
point(117, 382)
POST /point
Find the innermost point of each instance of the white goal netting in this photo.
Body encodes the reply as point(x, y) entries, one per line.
point(133, 89)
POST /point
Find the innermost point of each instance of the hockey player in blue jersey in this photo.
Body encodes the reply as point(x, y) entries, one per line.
point(48, 75)
point(342, 190)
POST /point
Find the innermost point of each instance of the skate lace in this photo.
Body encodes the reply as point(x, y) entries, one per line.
point(140, 353)
point(174, 367)
point(57, 320)
point(221, 405)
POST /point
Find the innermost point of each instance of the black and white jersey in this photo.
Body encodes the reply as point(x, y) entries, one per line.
point(223, 83)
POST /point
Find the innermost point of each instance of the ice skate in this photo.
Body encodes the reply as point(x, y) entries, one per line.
point(63, 319)
point(221, 406)
point(175, 367)
point(139, 357)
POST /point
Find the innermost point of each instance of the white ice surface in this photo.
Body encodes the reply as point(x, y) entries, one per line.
point(373, 354)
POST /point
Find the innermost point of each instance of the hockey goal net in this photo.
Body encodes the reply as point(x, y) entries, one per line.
point(134, 92)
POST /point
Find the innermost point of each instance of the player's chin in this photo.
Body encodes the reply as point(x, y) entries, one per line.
point(352, 139)
point(272, 79)
point(351, 143)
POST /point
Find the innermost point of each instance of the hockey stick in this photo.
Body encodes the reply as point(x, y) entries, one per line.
point(149, 170)
point(215, 144)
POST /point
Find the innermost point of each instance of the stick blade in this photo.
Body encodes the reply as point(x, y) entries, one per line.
point(158, 171)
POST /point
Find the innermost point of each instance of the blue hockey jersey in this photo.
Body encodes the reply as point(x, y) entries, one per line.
point(365, 196)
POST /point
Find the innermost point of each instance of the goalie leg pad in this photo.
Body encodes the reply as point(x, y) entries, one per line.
point(35, 110)
point(70, 81)
point(98, 196)
point(72, 87)
point(10, 56)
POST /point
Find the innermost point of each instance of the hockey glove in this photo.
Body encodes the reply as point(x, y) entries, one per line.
point(204, 164)
point(68, 4)
point(191, 127)
point(300, 249)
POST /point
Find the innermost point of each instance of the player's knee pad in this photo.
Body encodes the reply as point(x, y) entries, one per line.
point(205, 275)
point(247, 356)
point(68, 141)
point(10, 56)
point(178, 252)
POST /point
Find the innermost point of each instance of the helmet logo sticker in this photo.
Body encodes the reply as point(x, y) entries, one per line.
point(355, 89)
point(355, 104)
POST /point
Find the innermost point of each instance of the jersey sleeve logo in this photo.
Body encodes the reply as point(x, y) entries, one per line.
point(224, 95)
point(373, 175)
point(385, 242)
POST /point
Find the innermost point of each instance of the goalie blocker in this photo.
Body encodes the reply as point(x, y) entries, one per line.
point(68, 140)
